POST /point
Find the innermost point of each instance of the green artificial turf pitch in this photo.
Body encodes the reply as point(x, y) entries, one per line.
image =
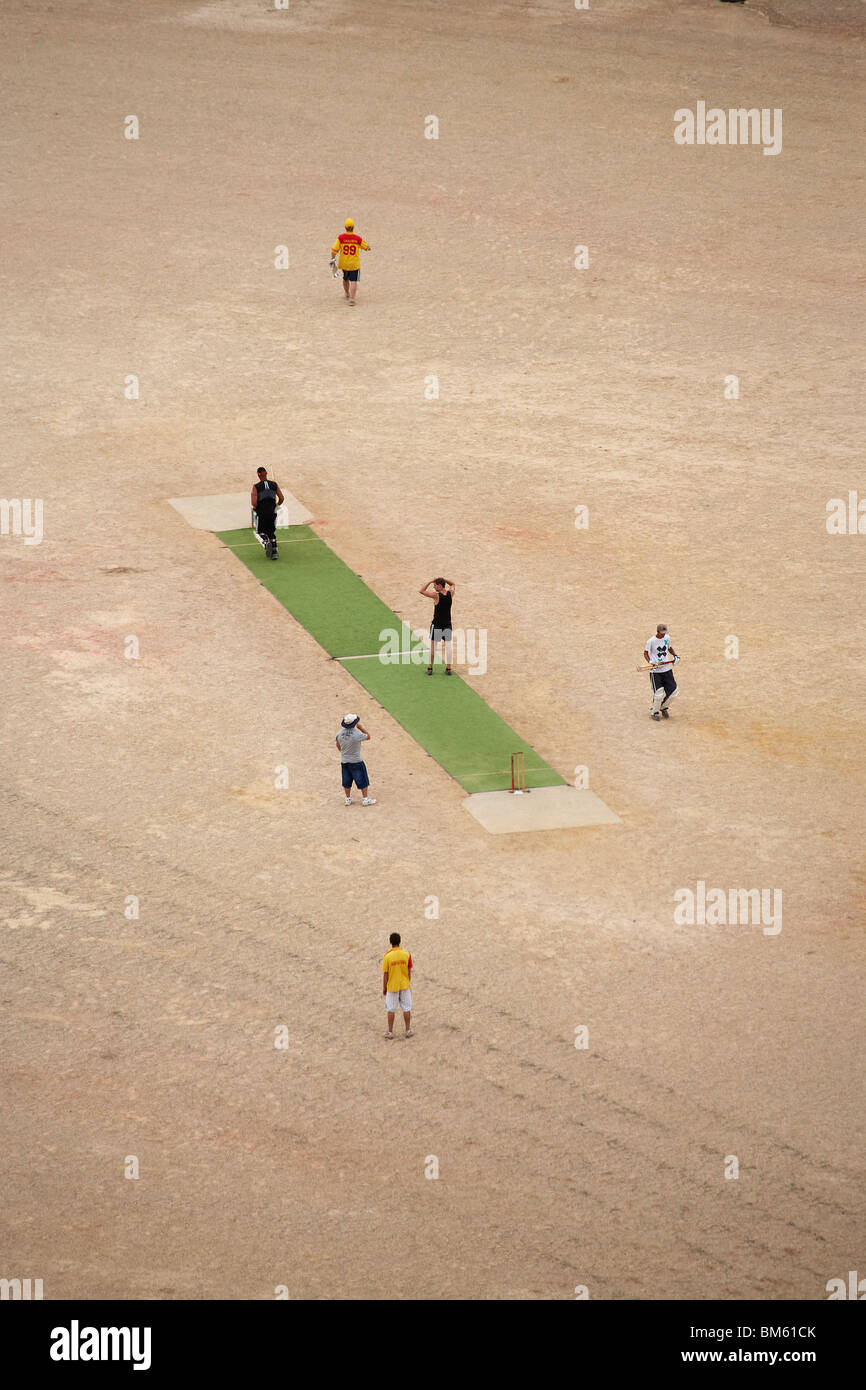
point(447, 717)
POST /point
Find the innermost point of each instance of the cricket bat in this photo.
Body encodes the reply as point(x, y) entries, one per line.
point(654, 668)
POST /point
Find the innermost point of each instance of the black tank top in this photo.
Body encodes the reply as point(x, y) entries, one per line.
point(442, 612)
point(266, 496)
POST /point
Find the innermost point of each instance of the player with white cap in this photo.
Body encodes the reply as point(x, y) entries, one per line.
point(350, 735)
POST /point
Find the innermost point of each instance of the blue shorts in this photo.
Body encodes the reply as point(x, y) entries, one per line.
point(351, 274)
point(357, 773)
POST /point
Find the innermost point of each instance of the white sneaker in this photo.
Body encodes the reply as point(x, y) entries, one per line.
point(349, 801)
point(369, 801)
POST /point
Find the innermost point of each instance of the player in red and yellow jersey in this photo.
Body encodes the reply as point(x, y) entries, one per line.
point(396, 981)
point(350, 246)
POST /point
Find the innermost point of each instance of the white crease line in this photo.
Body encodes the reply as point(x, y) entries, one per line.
point(387, 658)
point(245, 545)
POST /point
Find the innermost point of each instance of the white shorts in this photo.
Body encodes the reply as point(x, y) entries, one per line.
point(400, 999)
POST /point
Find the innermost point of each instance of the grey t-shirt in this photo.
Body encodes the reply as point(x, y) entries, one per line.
point(350, 741)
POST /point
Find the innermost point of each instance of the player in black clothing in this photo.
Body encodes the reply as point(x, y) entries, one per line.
point(265, 497)
point(440, 628)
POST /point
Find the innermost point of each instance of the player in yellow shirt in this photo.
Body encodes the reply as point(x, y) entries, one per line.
point(396, 979)
point(349, 245)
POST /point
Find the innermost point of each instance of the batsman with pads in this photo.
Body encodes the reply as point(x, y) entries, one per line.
point(265, 497)
point(660, 658)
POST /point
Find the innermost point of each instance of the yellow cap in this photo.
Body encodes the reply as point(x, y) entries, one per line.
point(349, 224)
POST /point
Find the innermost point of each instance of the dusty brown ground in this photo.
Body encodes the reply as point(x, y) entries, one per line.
point(558, 387)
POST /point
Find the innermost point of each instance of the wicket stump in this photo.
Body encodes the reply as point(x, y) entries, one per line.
point(518, 774)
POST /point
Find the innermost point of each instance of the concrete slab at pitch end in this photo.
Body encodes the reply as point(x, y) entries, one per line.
point(229, 511)
point(544, 808)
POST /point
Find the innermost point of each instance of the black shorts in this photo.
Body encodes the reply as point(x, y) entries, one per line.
point(351, 274)
point(663, 680)
point(439, 634)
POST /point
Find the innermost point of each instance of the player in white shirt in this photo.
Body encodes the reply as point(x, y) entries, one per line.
point(660, 655)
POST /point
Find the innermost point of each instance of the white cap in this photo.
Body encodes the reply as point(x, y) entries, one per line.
point(350, 720)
